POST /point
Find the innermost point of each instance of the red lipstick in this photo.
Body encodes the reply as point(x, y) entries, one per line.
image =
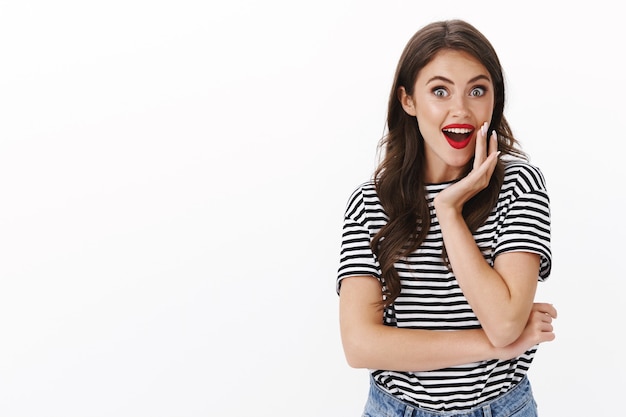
point(458, 135)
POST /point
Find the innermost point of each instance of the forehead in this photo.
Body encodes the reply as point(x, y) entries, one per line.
point(457, 66)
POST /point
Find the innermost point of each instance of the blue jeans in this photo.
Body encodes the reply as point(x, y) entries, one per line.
point(517, 402)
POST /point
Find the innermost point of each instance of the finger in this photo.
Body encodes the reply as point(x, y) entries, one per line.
point(493, 142)
point(549, 309)
point(547, 335)
point(544, 327)
point(553, 313)
point(480, 151)
point(546, 308)
point(490, 163)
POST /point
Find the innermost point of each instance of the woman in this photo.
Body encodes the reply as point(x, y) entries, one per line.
point(443, 249)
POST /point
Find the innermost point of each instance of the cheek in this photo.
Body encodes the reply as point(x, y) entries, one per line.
point(429, 113)
point(488, 108)
point(483, 111)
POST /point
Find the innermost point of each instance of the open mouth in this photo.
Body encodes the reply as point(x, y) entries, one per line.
point(458, 137)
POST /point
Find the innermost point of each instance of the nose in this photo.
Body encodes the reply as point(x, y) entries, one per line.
point(459, 106)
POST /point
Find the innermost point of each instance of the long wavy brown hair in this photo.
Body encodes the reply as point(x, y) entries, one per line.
point(399, 178)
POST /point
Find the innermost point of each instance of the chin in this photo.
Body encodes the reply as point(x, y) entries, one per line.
point(459, 162)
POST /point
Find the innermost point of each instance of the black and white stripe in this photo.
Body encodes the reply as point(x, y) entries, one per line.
point(432, 299)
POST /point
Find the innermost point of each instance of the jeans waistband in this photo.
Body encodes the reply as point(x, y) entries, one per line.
point(381, 402)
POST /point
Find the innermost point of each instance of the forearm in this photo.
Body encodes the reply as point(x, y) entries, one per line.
point(368, 343)
point(391, 348)
point(500, 309)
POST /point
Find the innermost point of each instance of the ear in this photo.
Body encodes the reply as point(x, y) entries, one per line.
point(407, 101)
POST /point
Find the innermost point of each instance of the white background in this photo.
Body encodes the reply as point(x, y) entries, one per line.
point(173, 176)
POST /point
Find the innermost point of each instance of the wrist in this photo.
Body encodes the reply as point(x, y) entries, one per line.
point(445, 211)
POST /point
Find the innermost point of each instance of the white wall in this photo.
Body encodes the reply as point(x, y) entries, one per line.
point(173, 176)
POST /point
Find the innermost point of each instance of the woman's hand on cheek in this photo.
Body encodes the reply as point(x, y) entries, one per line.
point(456, 195)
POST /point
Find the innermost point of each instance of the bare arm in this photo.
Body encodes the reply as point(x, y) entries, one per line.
point(368, 343)
point(502, 296)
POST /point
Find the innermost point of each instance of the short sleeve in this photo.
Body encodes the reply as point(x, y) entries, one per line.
point(526, 225)
point(357, 257)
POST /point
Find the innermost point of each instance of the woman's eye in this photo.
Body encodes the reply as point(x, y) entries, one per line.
point(440, 92)
point(477, 92)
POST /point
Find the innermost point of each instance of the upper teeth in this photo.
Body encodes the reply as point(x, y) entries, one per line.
point(458, 130)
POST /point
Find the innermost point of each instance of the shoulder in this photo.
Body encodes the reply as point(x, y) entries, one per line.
point(364, 192)
point(364, 203)
point(523, 176)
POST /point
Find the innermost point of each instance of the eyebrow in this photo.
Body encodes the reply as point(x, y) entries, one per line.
point(449, 81)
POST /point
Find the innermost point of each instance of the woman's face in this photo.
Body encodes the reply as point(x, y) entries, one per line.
point(453, 96)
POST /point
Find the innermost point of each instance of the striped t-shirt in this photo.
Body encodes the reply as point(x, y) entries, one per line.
point(431, 297)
